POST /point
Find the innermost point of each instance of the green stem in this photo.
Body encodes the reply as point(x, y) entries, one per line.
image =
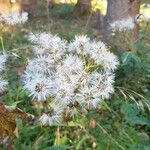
point(57, 138)
point(2, 43)
point(109, 136)
point(88, 68)
point(113, 112)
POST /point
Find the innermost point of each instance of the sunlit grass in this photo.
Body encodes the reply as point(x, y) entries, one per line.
point(96, 4)
point(102, 5)
point(145, 10)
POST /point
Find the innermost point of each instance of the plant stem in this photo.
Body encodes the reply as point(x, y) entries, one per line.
point(57, 138)
point(2, 43)
point(109, 135)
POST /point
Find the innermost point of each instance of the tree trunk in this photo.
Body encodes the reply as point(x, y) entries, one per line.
point(30, 6)
point(117, 10)
point(83, 7)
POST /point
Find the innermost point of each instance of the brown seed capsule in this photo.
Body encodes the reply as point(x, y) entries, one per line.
point(92, 123)
point(39, 88)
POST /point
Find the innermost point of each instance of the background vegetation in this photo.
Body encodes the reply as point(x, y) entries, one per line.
point(121, 123)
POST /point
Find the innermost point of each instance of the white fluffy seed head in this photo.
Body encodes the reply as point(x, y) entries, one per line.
point(3, 59)
point(59, 72)
point(102, 56)
point(14, 18)
point(46, 43)
point(38, 78)
point(39, 87)
point(98, 86)
point(41, 64)
point(124, 24)
point(64, 89)
point(72, 65)
point(85, 97)
point(73, 109)
point(80, 44)
point(103, 83)
point(54, 117)
point(3, 85)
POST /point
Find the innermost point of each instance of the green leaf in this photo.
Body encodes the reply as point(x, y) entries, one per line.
point(129, 109)
point(19, 124)
point(132, 115)
point(84, 138)
point(126, 57)
point(59, 147)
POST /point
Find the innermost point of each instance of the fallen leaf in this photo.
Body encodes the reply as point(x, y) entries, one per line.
point(8, 115)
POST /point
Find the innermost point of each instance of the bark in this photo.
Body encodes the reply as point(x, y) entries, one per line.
point(96, 19)
point(51, 3)
point(120, 9)
point(83, 7)
point(30, 6)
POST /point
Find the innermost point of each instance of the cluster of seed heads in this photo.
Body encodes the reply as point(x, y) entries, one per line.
point(71, 77)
